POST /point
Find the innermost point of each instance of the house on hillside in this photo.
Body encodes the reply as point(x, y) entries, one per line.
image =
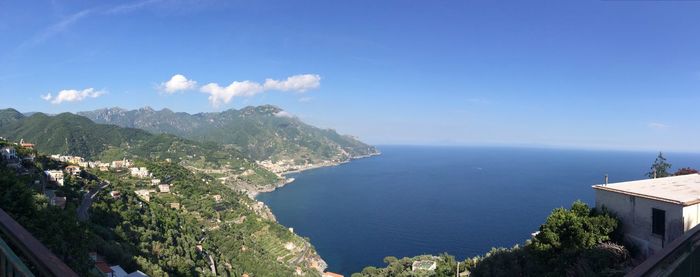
point(427, 265)
point(58, 201)
point(144, 194)
point(164, 188)
point(121, 164)
point(26, 144)
point(9, 153)
point(73, 170)
point(54, 176)
point(139, 172)
point(653, 212)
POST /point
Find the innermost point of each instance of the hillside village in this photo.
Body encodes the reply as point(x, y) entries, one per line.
point(63, 178)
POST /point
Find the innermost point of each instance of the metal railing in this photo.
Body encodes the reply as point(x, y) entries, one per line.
point(10, 264)
point(679, 258)
point(38, 256)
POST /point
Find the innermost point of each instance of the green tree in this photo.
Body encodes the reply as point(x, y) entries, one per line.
point(659, 168)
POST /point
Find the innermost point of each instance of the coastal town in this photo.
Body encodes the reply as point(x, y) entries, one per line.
point(69, 170)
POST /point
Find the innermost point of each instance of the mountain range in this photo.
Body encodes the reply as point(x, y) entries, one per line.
point(70, 134)
point(261, 133)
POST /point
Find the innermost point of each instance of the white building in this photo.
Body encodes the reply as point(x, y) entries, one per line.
point(653, 212)
point(121, 164)
point(164, 188)
point(9, 153)
point(54, 176)
point(427, 265)
point(140, 172)
point(73, 170)
point(144, 194)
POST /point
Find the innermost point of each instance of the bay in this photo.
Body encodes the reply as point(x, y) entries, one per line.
point(414, 200)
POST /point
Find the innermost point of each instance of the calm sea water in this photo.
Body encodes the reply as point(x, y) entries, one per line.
point(428, 200)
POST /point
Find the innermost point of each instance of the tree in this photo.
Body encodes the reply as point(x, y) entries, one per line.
point(659, 168)
point(685, 171)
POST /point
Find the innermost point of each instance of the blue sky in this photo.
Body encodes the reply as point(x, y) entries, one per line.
point(585, 74)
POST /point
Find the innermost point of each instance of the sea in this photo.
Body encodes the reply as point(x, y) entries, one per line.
point(414, 200)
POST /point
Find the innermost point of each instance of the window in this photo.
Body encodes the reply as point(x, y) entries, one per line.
point(658, 222)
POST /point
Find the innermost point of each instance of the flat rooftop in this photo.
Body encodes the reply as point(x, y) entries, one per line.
point(683, 190)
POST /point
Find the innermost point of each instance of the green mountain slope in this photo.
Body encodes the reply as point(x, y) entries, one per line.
point(66, 133)
point(262, 133)
point(71, 134)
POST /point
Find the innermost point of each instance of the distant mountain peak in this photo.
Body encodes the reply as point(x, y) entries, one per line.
point(147, 109)
point(260, 110)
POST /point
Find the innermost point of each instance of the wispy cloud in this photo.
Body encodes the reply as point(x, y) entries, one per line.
point(124, 8)
point(70, 20)
point(219, 95)
point(56, 28)
point(657, 125)
point(72, 95)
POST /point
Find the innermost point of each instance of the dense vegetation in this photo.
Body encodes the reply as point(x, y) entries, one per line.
point(168, 238)
point(232, 234)
point(71, 134)
point(262, 133)
point(57, 228)
point(579, 241)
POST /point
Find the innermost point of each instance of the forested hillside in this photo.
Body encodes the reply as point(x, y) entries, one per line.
point(70, 134)
point(197, 228)
point(262, 133)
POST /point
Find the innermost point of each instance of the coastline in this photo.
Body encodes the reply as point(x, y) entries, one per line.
point(322, 265)
point(253, 194)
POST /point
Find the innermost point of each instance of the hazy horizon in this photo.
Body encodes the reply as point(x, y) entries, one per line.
point(435, 144)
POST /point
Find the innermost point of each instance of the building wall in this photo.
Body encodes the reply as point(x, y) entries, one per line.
point(635, 216)
point(691, 216)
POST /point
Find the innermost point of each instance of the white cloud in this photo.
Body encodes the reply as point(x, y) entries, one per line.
point(72, 95)
point(298, 83)
point(223, 95)
point(178, 83)
point(284, 114)
point(219, 95)
point(657, 125)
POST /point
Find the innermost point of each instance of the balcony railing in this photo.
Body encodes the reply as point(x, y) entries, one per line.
point(38, 256)
point(679, 258)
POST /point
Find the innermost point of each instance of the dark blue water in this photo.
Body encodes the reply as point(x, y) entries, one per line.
point(416, 200)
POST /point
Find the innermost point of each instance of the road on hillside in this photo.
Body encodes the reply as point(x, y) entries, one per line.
point(87, 201)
